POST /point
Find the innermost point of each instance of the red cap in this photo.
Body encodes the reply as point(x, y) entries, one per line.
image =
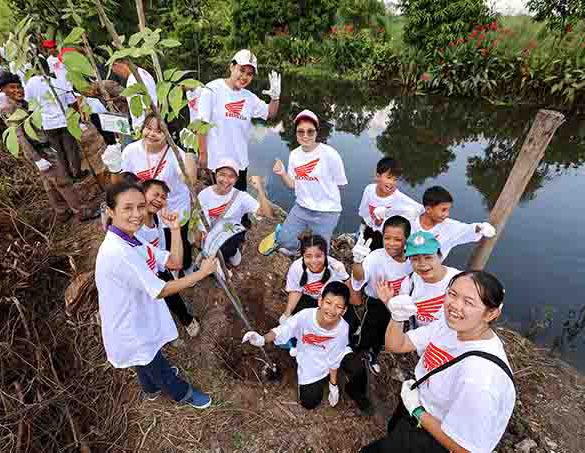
point(64, 50)
point(49, 44)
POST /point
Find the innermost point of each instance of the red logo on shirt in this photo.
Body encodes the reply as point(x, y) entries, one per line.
point(395, 284)
point(155, 242)
point(426, 309)
point(234, 109)
point(315, 340)
point(216, 212)
point(313, 288)
point(145, 175)
point(151, 260)
point(193, 104)
point(435, 357)
point(304, 171)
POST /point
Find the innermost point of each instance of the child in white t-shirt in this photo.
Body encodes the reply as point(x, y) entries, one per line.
point(322, 349)
point(437, 202)
point(383, 200)
point(156, 193)
point(315, 172)
point(223, 202)
point(389, 265)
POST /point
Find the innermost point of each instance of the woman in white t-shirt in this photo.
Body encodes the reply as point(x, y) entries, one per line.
point(230, 107)
point(135, 321)
point(153, 158)
point(315, 172)
point(464, 407)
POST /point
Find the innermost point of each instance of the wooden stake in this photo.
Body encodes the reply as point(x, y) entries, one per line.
point(532, 152)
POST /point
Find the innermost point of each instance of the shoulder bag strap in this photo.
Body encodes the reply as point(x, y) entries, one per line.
point(485, 355)
point(227, 207)
point(160, 161)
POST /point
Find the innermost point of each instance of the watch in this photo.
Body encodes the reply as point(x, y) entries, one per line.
point(418, 413)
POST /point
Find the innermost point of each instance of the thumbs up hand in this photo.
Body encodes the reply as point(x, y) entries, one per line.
point(361, 250)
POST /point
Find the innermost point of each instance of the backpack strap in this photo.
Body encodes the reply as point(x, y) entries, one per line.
point(485, 355)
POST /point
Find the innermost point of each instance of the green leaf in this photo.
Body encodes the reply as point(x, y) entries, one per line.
point(137, 88)
point(176, 98)
point(169, 43)
point(162, 91)
point(146, 101)
point(191, 84)
point(169, 73)
point(73, 124)
point(77, 80)
point(37, 118)
point(118, 55)
point(178, 75)
point(136, 106)
point(136, 38)
point(74, 61)
point(151, 40)
point(10, 139)
point(18, 116)
point(74, 37)
point(29, 130)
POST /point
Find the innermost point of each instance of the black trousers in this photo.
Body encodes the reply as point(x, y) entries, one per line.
point(231, 246)
point(310, 395)
point(369, 330)
point(376, 237)
point(176, 304)
point(305, 302)
point(187, 252)
point(404, 437)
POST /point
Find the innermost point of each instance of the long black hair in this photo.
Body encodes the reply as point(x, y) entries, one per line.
point(314, 240)
point(490, 290)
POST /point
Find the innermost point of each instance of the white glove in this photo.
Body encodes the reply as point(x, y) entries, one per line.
point(274, 91)
point(361, 250)
point(43, 164)
point(112, 158)
point(410, 398)
point(333, 395)
point(283, 318)
point(487, 230)
point(254, 338)
point(401, 307)
point(381, 212)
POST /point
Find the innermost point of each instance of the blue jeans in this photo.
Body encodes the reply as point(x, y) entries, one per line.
point(158, 375)
point(300, 219)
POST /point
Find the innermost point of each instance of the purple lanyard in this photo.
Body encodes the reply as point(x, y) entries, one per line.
point(133, 241)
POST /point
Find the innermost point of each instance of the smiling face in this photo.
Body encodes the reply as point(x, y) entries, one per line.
point(152, 134)
point(156, 198)
point(225, 178)
point(438, 213)
point(331, 309)
point(386, 184)
point(14, 91)
point(394, 241)
point(241, 76)
point(314, 258)
point(464, 310)
point(129, 212)
point(429, 267)
point(306, 134)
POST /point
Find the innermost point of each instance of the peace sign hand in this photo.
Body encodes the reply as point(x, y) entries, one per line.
point(361, 250)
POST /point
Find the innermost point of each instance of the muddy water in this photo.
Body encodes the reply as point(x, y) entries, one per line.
point(468, 147)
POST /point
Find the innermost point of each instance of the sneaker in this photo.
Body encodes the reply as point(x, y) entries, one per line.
point(193, 328)
point(236, 259)
point(287, 252)
point(292, 352)
point(151, 396)
point(198, 400)
point(373, 364)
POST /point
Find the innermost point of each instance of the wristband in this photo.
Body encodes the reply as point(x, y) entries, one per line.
point(418, 413)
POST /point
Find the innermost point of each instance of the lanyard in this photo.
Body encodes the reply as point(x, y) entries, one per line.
point(132, 240)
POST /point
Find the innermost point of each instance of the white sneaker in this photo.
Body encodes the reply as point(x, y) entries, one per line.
point(287, 252)
point(236, 259)
point(193, 328)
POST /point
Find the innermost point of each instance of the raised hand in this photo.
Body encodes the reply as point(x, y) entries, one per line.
point(401, 307)
point(486, 230)
point(274, 91)
point(278, 168)
point(361, 250)
point(170, 219)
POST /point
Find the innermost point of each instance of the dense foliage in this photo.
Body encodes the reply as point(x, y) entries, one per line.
point(558, 14)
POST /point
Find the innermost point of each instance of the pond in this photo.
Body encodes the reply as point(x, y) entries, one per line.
point(468, 147)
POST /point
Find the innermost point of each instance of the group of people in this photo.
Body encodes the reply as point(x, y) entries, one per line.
point(398, 296)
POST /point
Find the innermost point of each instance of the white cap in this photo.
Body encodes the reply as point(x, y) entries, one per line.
point(246, 58)
point(228, 163)
point(307, 114)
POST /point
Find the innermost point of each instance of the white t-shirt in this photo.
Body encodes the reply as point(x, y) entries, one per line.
point(37, 89)
point(474, 399)
point(318, 350)
point(398, 204)
point(317, 175)
point(155, 236)
point(214, 205)
point(136, 160)
point(230, 112)
point(150, 85)
point(57, 68)
point(193, 103)
point(428, 297)
point(314, 287)
point(379, 265)
point(450, 233)
point(135, 325)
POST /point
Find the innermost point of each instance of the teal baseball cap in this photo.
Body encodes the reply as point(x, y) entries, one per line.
point(422, 243)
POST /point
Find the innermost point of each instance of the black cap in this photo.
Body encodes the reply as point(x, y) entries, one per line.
point(8, 77)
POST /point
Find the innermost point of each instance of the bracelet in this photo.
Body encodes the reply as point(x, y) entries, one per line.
point(418, 413)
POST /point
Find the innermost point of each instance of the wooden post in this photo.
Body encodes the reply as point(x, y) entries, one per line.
point(532, 152)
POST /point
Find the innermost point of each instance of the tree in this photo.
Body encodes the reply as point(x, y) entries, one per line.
point(361, 13)
point(432, 24)
point(559, 15)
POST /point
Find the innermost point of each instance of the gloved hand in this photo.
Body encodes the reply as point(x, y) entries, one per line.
point(112, 158)
point(43, 164)
point(361, 250)
point(254, 338)
point(274, 91)
point(283, 318)
point(333, 395)
point(486, 230)
point(410, 398)
point(401, 307)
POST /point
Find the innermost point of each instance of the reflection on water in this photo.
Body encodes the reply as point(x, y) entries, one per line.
point(468, 147)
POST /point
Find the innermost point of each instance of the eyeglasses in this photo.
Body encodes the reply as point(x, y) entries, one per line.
point(308, 133)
